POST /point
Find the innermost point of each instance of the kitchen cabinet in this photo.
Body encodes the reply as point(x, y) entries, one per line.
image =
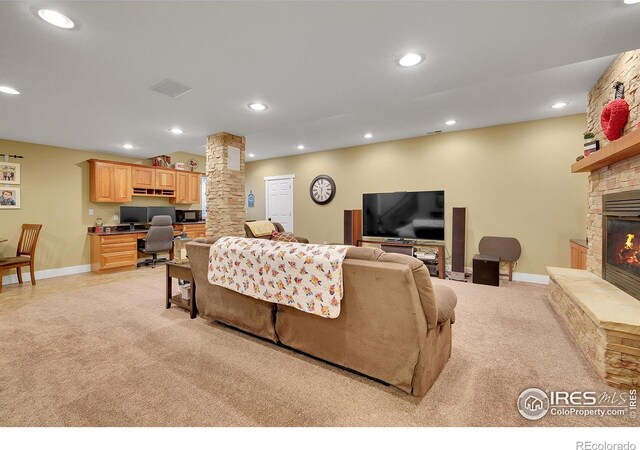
point(109, 183)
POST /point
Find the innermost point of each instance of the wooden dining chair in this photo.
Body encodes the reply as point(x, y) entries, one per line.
point(25, 253)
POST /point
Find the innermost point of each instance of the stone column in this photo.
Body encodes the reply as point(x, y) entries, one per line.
point(226, 213)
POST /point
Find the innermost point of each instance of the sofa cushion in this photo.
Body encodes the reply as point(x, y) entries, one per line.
point(261, 228)
point(364, 253)
point(283, 237)
point(423, 283)
point(446, 300)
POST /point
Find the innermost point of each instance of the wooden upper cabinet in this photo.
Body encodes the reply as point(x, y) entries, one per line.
point(122, 184)
point(143, 177)
point(117, 182)
point(165, 179)
point(182, 188)
point(101, 175)
point(195, 184)
point(109, 182)
point(187, 188)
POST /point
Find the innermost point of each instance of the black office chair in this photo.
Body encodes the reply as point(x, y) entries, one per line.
point(159, 239)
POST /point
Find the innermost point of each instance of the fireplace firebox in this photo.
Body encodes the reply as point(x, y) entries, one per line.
point(621, 241)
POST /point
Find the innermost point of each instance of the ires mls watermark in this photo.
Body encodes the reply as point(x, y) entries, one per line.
point(534, 403)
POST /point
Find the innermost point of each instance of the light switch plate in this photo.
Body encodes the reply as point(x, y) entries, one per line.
point(116, 218)
point(91, 212)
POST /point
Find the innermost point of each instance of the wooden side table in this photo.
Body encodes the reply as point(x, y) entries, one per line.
point(181, 271)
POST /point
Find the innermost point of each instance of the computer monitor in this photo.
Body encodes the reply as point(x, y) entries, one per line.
point(161, 211)
point(133, 214)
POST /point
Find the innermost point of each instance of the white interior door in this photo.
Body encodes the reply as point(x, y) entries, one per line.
point(279, 202)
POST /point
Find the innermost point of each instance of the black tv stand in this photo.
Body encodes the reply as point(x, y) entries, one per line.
point(439, 245)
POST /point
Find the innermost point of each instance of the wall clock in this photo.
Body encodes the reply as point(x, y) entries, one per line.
point(322, 189)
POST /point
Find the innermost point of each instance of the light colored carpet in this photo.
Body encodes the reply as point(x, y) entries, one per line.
point(110, 354)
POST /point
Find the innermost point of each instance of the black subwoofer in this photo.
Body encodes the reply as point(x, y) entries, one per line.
point(486, 270)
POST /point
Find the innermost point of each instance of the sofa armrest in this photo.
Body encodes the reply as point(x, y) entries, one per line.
point(446, 300)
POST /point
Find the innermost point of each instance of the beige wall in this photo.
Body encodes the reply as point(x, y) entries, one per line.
point(55, 192)
point(515, 180)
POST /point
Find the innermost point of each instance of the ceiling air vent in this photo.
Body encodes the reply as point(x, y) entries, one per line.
point(429, 133)
point(171, 88)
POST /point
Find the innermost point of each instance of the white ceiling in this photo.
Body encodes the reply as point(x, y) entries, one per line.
point(326, 69)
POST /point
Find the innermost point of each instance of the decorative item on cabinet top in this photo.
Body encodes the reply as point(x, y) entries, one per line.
point(117, 182)
point(193, 164)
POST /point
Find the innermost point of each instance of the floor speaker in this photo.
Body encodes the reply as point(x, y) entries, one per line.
point(459, 237)
point(352, 226)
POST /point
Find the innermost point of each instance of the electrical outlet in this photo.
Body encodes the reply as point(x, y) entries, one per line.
point(91, 212)
point(116, 218)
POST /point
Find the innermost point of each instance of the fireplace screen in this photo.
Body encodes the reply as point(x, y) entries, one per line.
point(621, 240)
point(623, 245)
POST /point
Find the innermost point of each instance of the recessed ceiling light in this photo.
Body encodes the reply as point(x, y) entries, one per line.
point(176, 131)
point(256, 106)
point(8, 90)
point(368, 136)
point(450, 122)
point(559, 105)
point(410, 59)
point(56, 18)
point(631, 2)
point(127, 146)
point(300, 147)
point(251, 155)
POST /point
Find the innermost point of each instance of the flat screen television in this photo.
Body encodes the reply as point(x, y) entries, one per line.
point(161, 211)
point(407, 215)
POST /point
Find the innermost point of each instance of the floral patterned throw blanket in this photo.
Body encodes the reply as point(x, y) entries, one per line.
point(304, 276)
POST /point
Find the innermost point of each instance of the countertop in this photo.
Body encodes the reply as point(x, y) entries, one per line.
point(137, 230)
point(119, 232)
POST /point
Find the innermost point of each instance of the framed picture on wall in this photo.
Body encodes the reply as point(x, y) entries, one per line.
point(9, 173)
point(9, 198)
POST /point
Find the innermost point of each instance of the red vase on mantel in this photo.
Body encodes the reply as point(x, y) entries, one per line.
point(613, 118)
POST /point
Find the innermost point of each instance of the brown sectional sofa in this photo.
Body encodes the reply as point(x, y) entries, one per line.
point(394, 325)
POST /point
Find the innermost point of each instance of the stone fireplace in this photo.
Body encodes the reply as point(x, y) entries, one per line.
point(600, 305)
point(621, 241)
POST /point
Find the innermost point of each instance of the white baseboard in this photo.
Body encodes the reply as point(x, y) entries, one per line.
point(49, 273)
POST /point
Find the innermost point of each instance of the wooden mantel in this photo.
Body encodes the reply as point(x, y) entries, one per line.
point(623, 148)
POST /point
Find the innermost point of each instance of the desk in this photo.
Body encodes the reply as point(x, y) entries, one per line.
point(440, 248)
point(116, 250)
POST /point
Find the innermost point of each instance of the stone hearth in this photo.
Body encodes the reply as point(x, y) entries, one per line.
point(604, 321)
